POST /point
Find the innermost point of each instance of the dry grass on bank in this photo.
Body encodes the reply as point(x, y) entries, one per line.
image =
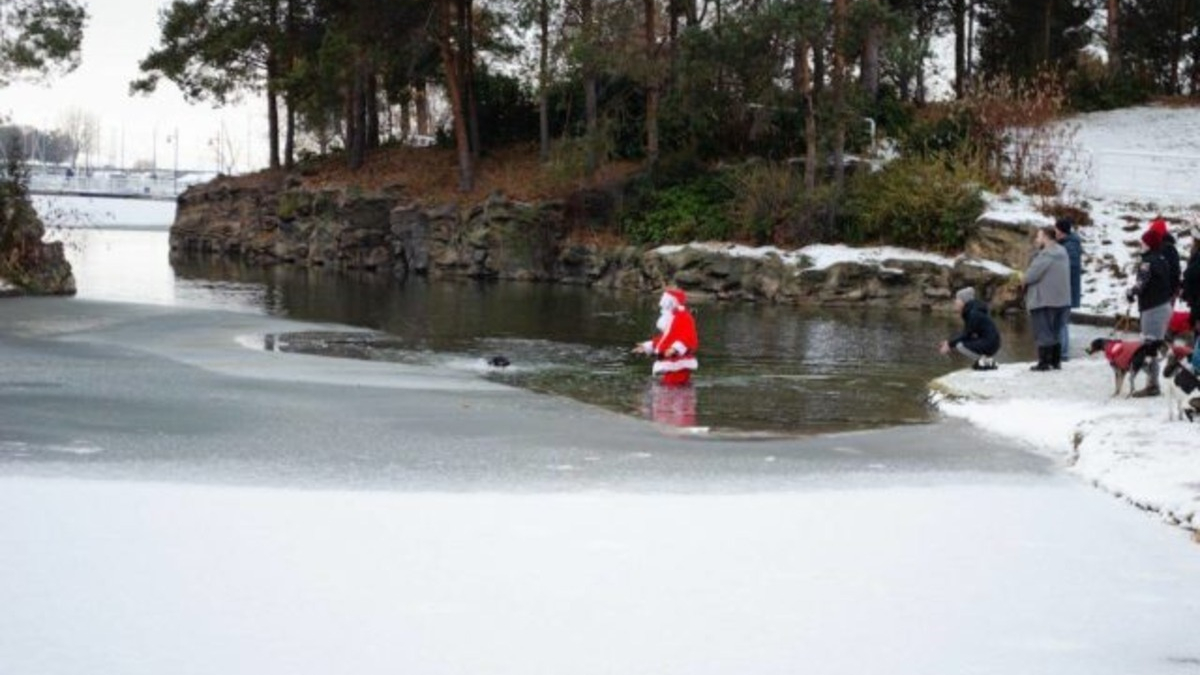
point(431, 174)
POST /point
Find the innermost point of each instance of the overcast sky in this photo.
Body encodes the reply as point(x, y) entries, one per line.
point(120, 33)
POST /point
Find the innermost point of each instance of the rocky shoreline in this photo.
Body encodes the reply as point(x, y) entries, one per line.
point(28, 265)
point(390, 233)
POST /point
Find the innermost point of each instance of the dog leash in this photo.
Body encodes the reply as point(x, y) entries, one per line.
point(1121, 324)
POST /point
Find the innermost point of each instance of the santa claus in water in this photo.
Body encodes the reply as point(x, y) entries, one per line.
point(674, 347)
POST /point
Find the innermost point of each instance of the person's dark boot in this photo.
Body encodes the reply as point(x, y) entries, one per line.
point(1043, 362)
point(1056, 356)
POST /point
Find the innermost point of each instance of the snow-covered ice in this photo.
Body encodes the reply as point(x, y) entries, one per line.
point(143, 578)
point(72, 211)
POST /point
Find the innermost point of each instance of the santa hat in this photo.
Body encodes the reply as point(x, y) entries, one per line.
point(1153, 238)
point(672, 298)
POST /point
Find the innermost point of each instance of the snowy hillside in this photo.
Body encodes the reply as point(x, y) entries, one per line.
point(1148, 158)
point(1128, 166)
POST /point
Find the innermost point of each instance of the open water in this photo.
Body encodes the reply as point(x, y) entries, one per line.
point(765, 369)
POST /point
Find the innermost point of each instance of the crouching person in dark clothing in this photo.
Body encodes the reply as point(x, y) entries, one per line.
point(979, 340)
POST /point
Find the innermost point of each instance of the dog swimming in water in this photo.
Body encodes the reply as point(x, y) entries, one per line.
point(499, 361)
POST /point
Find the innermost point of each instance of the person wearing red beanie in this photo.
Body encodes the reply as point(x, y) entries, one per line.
point(1171, 253)
point(1154, 293)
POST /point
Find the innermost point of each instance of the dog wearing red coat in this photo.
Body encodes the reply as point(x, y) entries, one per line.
point(1127, 358)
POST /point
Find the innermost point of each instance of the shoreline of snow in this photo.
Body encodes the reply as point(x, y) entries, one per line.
point(1123, 446)
point(823, 256)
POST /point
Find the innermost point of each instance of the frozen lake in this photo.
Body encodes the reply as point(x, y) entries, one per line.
point(171, 501)
point(765, 368)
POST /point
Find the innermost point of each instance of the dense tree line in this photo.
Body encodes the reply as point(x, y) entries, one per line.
point(643, 79)
point(52, 147)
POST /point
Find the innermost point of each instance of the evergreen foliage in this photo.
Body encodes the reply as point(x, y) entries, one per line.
point(39, 38)
point(796, 85)
point(922, 202)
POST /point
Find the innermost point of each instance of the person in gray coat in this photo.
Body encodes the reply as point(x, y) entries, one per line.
point(1047, 285)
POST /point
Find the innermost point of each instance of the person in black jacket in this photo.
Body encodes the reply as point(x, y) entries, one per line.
point(1074, 247)
point(1154, 294)
point(1171, 254)
point(979, 339)
point(1191, 293)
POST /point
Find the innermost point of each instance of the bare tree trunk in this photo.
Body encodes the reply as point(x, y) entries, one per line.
point(272, 88)
point(421, 102)
point(357, 128)
point(652, 84)
point(466, 177)
point(1114, 37)
point(970, 65)
point(544, 80)
point(371, 107)
point(870, 60)
point(291, 30)
point(960, 47)
point(1177, 33)
point(591, 107)
point(466, 57)
point(1047, 20)
point(839, 94)
point(272, 122)
point(820, 67)
point(802, 83)
point(289, 143)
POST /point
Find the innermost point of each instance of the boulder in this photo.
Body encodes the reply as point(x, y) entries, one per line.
point(1007, 243)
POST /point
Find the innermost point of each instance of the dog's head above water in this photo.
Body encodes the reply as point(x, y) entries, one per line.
point(499, 361)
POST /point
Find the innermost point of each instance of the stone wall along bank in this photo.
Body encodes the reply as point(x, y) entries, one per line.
point(554, 241)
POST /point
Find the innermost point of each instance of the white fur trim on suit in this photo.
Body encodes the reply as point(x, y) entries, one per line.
point(674, 366)
point(678, 347)
point(648, 346)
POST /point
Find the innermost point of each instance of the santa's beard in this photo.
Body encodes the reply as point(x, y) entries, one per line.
point(664, 320)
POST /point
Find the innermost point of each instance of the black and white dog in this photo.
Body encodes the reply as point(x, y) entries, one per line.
point(1183, 388)
point(1127, 358)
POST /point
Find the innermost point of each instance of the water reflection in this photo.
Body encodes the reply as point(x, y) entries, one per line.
point(671, 405)
point(764, 367)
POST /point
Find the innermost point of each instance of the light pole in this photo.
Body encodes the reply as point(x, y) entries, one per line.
point(175, 171)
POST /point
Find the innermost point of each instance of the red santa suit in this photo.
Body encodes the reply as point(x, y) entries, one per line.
point(674, 347)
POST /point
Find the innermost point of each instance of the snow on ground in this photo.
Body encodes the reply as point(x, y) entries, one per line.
point(821, 256)
point(1127, 167)
point(1123, 445)
point(1032, 577)
point(1144, 163)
